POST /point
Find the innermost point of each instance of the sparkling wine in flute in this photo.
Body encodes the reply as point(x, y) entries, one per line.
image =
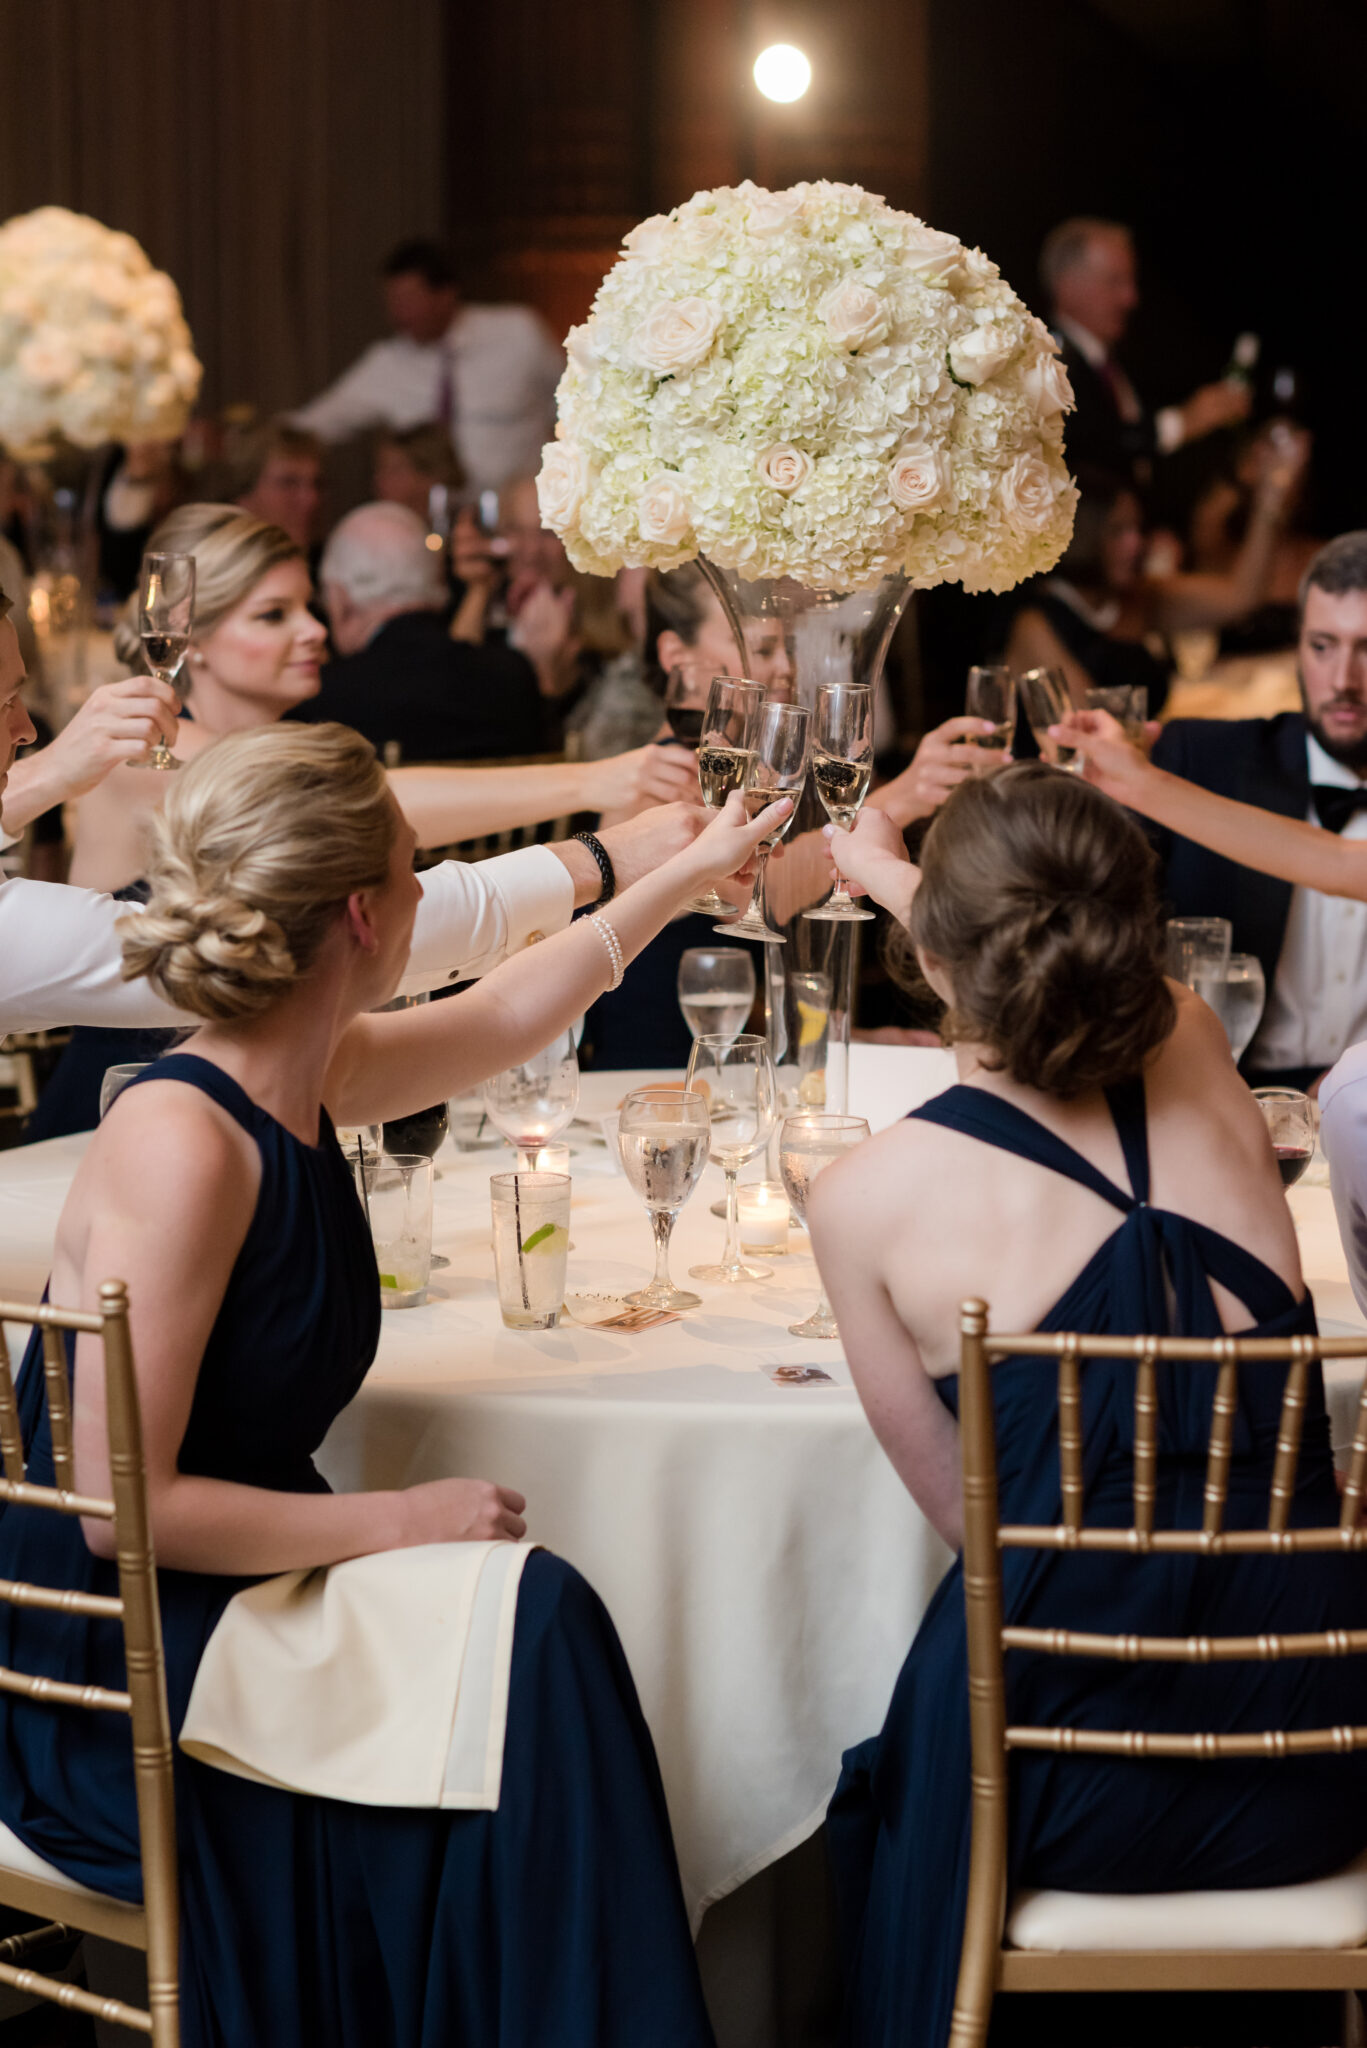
point(165, 652)
point(663, 1165)
point(1053, 751)
point(758, 797)
point(166, 617)
point(716, 1012)
point(842, 787)
point(998, 738)
point(720, 770)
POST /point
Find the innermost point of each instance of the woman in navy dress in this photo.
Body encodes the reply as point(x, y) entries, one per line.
point(1100, 1167)
point(282, 899)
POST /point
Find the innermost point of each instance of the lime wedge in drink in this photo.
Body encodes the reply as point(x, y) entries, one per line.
point(547, 1239)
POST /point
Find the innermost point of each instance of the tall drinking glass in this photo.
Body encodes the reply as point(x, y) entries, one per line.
point(808, 1142)
point(533, 1102)
point(716, 990)
point(842, 767)
point(662, 1139)
point(166, 617)
point(1044, 693)
point(777, 767)
point(991, 695)
point(1198, 952)
point(728, 730)
point(1238, 1000)
point(743, 1093)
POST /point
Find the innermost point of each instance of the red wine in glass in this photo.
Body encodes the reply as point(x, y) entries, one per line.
point(685, 722)
point(422, 1132)
point(1292, 1161)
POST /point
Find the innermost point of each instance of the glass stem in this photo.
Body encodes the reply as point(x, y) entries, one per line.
point(822, 1311)
point(731, 1256)
point(662, 1223)
point(755, 907)
point(840, 893)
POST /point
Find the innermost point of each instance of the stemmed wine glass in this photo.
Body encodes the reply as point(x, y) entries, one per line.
point(777, 767)
point(743, 1093)
point(716, 990)
point(991, 695)
point(728, 731)
point(532, 1102)
point(808, 1142)
point(1290, 1120)
point(842, 767)
point(1045, 694)
point(1238, 1000)
point(166, 617)
point(662, 1138)
point(683, 712)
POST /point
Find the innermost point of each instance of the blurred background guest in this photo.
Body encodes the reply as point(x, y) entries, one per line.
point(411, 462)
point(1089, 269)
point(1103, 620)
point(274, 470)
point(487, 374)
point(1220, 520)
point(144, 482)
point(399, 677)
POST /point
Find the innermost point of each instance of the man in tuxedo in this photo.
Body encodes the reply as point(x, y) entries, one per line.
point(1304, 764)
point(401, 679)
point(1089, 270)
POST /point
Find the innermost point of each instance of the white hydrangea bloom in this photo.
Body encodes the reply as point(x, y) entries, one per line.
point(807, 384)
point(93, 343)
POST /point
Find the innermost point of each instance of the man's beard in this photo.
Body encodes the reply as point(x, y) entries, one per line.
point(1348, 753)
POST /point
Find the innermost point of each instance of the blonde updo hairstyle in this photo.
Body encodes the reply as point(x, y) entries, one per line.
point(1039, 897)
point(233, 550)
point(262, 839)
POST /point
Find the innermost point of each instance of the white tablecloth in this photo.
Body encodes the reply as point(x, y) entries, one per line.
point(765, 1569)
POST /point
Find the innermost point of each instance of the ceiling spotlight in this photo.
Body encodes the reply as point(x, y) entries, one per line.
point(782, 72)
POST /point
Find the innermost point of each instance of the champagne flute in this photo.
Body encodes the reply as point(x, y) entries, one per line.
point(743, 1092)
point(1290, 1119)
point(1044, 692)
point(809, 1141)
point(166, 617)
point(728, 731)
point(777, 767)
point(716, 990)
point(991, 695)
point(842, 766)
point(662, 1139)
point(533, 1102)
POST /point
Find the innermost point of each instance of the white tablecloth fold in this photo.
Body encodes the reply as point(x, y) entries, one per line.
point(382, 1681)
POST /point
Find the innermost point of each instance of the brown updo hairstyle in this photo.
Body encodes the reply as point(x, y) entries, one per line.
point(262, 839)
point(1039, 897)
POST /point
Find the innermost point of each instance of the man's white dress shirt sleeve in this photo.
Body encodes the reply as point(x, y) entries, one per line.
point(1343, 1134)
point(391, 385)
point(60, 953)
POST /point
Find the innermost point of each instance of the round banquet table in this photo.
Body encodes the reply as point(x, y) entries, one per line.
point(764, 1567)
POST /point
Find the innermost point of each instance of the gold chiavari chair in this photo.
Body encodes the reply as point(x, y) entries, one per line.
point(1298, 1937)
point(28, 1884)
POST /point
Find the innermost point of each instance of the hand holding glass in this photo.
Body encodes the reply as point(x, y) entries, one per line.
point(1044, 693)
point(662, 1137)
point(991, 696)
point(842, 767)
point(728, 731)
point(777, 767)
point(166, 617)
point(807, 1143)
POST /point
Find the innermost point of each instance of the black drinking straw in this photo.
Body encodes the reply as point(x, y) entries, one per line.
point(517, 1226)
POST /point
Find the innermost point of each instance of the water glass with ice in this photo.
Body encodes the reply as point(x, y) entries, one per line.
point(531, 1237)
point(399, 1200)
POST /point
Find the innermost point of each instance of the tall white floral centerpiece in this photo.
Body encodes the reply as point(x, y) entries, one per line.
point(825, 401)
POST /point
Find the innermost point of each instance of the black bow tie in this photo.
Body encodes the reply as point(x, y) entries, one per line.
point(1334, 807)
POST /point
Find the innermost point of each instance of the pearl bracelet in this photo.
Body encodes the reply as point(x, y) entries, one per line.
point(614, 946)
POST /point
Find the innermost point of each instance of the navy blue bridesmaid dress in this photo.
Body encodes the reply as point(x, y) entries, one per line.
point(898, 1826)
point(554, 1922)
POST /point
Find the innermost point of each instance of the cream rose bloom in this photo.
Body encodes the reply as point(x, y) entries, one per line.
point(1047, 387)
point(49, 359)
point(855, 316)
point(676, 335)
point(564, 481)
point(980, 353)
point(580, 349)
point(649, 239)
point(930, 254)
point(783, 467)
point(919, 478)
point(771, 212)
point(663, 513)
point(1028, 491)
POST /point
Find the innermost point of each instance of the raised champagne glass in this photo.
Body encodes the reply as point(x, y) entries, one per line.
point(742, 1091)
point(662, 1140)
point(727, 734)
point(166, 617)
point(807, 1143)
point(991, 696)
point(1044, 693)
point(777, 768)
point(842, 767)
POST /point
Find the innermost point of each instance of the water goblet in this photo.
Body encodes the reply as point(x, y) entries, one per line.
point(728, 729)
point(777, 767)
point(809, 1141)
point(716, 990)
point(662, 1140)
point(533, 1102)
point(1198, 951)
point(743, 1093)
point(1238, 1000)
point(1290, 1119)
point(842, 767)
point(166, 616)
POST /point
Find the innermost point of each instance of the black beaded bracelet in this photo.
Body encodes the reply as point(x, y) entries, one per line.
point(604, 860)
